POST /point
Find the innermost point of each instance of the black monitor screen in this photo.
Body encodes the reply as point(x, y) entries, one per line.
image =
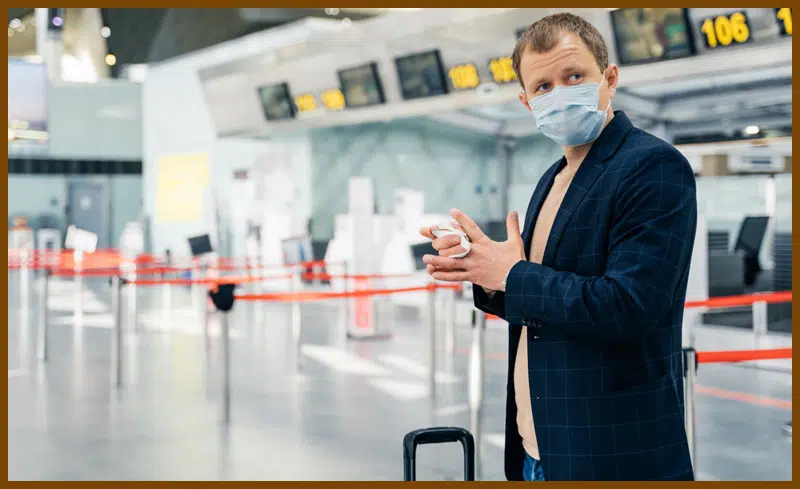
point(651, 34)
point(200, 245)
point(751, 234)
point(361, 86)
point(420, 250)
point(318, 249)
point(277, 102)
point(421, 75)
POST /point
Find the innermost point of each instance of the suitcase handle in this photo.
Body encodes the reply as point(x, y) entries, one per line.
point(438, 435)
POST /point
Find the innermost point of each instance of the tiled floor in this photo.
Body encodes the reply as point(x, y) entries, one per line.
point(342, 416)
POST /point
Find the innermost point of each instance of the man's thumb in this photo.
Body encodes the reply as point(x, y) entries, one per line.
point(512, 225)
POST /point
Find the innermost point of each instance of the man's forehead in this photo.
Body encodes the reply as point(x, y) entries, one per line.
point(569, 49)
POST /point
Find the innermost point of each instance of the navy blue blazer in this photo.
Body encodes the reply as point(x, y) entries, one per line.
point(604, 314)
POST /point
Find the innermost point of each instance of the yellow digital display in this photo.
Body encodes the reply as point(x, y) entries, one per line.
point(784, 18)
point(725, 30)
point(305, 103)
point(502, 70)
point(464, 76)
point(333, 99)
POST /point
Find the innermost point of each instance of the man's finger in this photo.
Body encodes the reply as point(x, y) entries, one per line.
point(445, 242)
point(467, 225)
point(443, 262)
point(512, 225)
point(453, 250)
point(427, 232)
point(452, 276)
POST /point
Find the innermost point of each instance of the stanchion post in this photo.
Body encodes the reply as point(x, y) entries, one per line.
point(690, 372)
point(117, 346)
point(475, 385)
point(78, 284)
point(450, 323)
point(432, 340)
point(226, 367)
point(42, 342)
point(760, 318)
point(296, 319)
point(24, 279)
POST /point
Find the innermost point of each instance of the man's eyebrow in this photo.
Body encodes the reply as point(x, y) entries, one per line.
point(571, 68)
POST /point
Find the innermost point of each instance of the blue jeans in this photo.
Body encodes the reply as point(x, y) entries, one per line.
point(532, 470)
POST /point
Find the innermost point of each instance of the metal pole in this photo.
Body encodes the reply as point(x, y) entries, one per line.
point(41, 347)
point(117, 344)
point(432, 341)
point(24, 280)
point(167, 303)
point(226, 367)
point(760, 319)
point(78, 283)
point(450, 323)
point(477, 368)
point(690, 369)
point(296, 320)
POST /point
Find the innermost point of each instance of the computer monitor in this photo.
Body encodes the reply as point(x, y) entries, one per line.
point(200, 245)
point(318, 249)
point(420, 250)
point(748, 243)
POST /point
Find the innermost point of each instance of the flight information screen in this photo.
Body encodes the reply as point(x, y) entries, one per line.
point(421, 75)
point(361, 86)
point(645, 35)
point(277, 102)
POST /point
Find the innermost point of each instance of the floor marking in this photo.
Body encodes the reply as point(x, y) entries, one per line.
point(753, 399)
point(497, 440)
point(451, 410)
point(401, 390)
point(343, 361)
point(17, 372)
point(417, 369)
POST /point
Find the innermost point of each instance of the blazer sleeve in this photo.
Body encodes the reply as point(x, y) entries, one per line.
point(491, 305)
point(650, 243)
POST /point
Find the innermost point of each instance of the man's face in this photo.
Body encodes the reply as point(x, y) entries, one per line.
point(569, 63)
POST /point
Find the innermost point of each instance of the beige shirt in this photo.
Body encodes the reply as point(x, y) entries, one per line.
point(541, 232)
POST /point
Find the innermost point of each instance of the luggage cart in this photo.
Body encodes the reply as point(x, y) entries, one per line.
point(437, 435)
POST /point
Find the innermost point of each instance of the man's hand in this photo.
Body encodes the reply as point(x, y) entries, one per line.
point(488, 262)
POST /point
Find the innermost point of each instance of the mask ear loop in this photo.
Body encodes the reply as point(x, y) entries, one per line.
point(608, 105)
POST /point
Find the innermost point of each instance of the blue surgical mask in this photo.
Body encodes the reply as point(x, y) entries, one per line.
point(569, 115)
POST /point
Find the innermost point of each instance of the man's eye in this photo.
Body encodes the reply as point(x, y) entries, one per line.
point(543, 88)
point(575, 77)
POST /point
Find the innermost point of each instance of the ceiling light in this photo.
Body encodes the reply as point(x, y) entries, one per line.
point(346, 21)
point(14, 23)
point(752, 130)
point(57, 21)
point(105, 31)
point(111, 60)
point(332, 11)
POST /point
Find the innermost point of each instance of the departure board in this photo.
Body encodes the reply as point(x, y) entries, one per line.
point(361, 86)
point(645, 35)
point(421, 75)
point(277, 102)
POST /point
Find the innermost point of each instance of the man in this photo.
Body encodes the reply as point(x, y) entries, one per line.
point(593, 288)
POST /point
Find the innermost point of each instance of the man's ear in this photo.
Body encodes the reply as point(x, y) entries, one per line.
point(612, 75)
point(524, 100)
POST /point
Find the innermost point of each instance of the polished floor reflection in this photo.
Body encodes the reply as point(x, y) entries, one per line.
point(340, 415)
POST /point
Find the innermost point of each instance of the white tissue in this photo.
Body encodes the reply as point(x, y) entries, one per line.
point(445, 229)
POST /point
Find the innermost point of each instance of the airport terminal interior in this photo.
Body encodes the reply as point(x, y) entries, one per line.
point(215, 266)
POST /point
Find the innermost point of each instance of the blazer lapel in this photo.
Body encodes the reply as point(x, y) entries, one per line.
point(583, 180)
point(590, 170)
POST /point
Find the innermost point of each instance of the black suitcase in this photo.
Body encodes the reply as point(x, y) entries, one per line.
point(437, 435)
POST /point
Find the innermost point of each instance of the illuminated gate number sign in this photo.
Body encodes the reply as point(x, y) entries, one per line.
point(784, 18)
point(724, 30)
point(333, 99)
point(464, 76)
point(305, 103)
point(502, 70)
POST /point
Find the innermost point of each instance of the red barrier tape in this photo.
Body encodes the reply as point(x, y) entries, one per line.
point(743, 355)
point(202, 281)
point(313, 296)
point(742, 300)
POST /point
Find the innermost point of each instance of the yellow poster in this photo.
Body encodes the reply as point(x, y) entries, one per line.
point(182, 183)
